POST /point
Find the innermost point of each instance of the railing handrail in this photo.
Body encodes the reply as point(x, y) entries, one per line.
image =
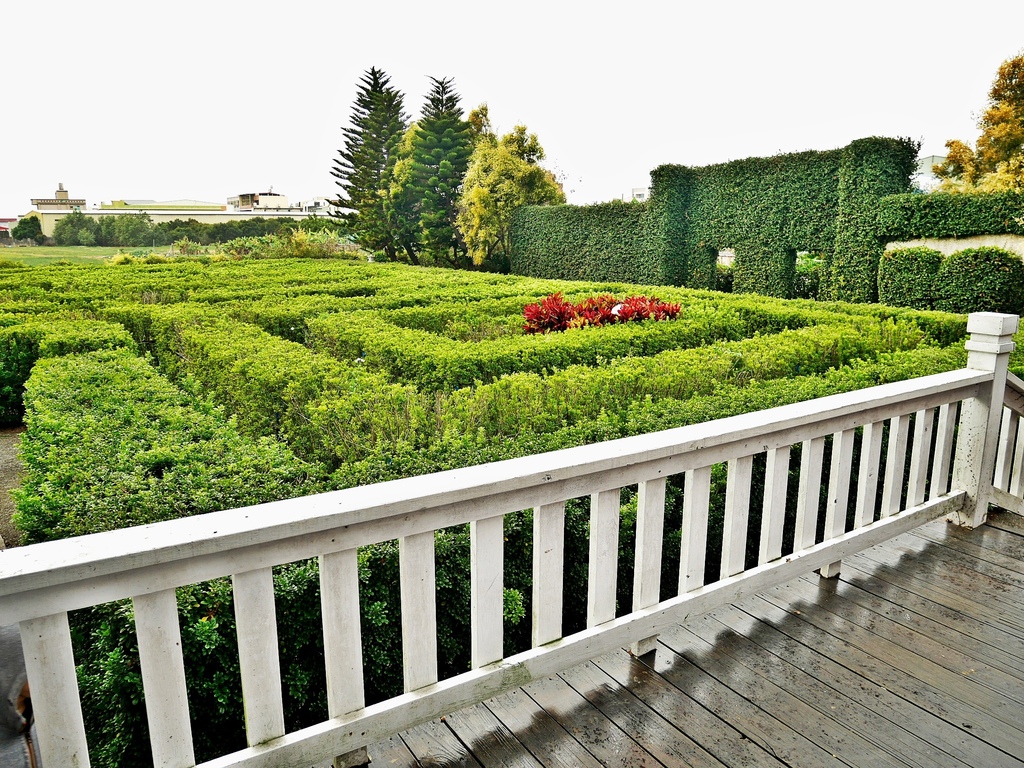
point(1014, 397)
point(521, 483)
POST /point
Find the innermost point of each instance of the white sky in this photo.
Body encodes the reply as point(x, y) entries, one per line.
point(208, 99)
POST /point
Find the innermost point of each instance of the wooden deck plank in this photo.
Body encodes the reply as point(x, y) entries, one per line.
point(434, 743)
point(1000, 649)
point(960, 702)
point(761, 728)
point(540, 733)
point(913, 657)
point(659, 737)
point(708, 647)
point(927, 734)
point(721, 739)
point(891, 741)
point(606, 741)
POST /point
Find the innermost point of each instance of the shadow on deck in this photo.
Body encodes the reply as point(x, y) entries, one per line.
point(914, 656)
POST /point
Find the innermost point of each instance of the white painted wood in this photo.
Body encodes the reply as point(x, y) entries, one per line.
point(737, 513)
point(838, 492)
point(378, 721)
point(650, 527)
point(1004, 453)
point(919, 456)
point(1018, 461)
point(945, 432)
point(163, 679)
point(989, 347)
point(50, 665)
point(419, 613)
point(650, 532)
point(603, 566)
point(258, 655)
point(808, 500)
point(343, 647)
point(218, 544)
point(694, 534)
point(487, 589)
point(895, 464)
point(548, 557)
point(773, 516)
point(1013, 397)
point(1008, 501)
point(867, 474)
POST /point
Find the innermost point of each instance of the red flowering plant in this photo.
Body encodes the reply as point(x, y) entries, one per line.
point(554, 313)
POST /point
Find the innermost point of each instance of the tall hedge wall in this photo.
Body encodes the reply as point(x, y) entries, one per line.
point(766, 209)
point(904, 217)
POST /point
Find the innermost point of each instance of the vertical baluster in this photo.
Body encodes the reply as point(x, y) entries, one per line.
point(1004, 456)
point(256, 625)
point(163, 679)
point(737, 512)
point(343, 647)
point(867, 477)
point(1018, 461)
point(419, 615)
point(695, 529)
point(773, 518)
point(487, 589)
point(603, 565)
point(838, 492)
point(650, 530)
point(809, 495)
point(548, 556)
point(945, 431)
point(50, 665)
point(919, 457)
point(895, 459)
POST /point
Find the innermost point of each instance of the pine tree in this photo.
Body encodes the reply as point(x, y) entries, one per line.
point(441, 150)
point(364, 165)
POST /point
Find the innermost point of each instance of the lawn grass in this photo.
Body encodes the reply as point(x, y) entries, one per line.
point(37, 255)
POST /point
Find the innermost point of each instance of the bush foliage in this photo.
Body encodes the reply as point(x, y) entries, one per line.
point(981, 280)
point(906, 277)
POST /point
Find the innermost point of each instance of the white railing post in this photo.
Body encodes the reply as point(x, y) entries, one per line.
point(989, 345)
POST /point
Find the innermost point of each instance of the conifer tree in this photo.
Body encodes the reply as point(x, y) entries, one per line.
point(365, 164)
point(441, 149)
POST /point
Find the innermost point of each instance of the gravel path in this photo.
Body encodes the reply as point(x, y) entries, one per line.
point(10, 477)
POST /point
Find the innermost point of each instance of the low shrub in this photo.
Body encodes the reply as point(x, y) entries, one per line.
point(981, 280)
point(907, 277)
point(554, 313)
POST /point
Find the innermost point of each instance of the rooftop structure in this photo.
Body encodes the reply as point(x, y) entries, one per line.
point(60, 201)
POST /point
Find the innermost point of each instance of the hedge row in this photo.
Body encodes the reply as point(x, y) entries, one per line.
point(766, 209)
point(906, 217)
point(23, 343)
point(971, 280)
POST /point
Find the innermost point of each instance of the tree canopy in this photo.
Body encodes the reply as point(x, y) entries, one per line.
point(364, 165)
point(996, 164)
point(503, 175)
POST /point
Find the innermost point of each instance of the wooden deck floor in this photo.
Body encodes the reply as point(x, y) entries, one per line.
point(913, 657)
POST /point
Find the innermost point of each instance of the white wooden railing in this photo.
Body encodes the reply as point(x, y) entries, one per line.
point(955, 450)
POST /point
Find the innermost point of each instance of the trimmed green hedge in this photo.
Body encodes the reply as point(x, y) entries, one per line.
point(23, 343)
point(906, 277)
point(905, 217)
point(981, 280)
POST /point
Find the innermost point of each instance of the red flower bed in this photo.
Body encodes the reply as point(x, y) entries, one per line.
point(554, 313)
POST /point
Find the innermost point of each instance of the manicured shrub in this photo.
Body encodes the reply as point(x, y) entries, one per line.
point(981, 280)
point(554, 313)
point(907, 277)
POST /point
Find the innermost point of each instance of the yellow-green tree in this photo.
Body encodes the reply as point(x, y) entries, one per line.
point(996, 163)
point(503, 175)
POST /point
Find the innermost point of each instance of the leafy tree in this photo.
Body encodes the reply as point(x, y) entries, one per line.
point(440, 157)
point(402, 201)
point(502, 176)
point(68, 230)
point(997, 162)
point(28, 228)
point(133, 229)
point(366, 162)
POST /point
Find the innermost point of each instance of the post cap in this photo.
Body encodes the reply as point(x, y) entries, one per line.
point(992, 323)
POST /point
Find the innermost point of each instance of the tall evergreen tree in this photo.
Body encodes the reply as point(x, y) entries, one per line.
point(441, 150)
point(365, 164)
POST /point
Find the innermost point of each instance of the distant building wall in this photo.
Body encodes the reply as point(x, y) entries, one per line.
point(950, 245)
point(48, 219)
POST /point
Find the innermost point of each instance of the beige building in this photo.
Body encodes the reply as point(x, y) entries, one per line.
point(240, 207)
